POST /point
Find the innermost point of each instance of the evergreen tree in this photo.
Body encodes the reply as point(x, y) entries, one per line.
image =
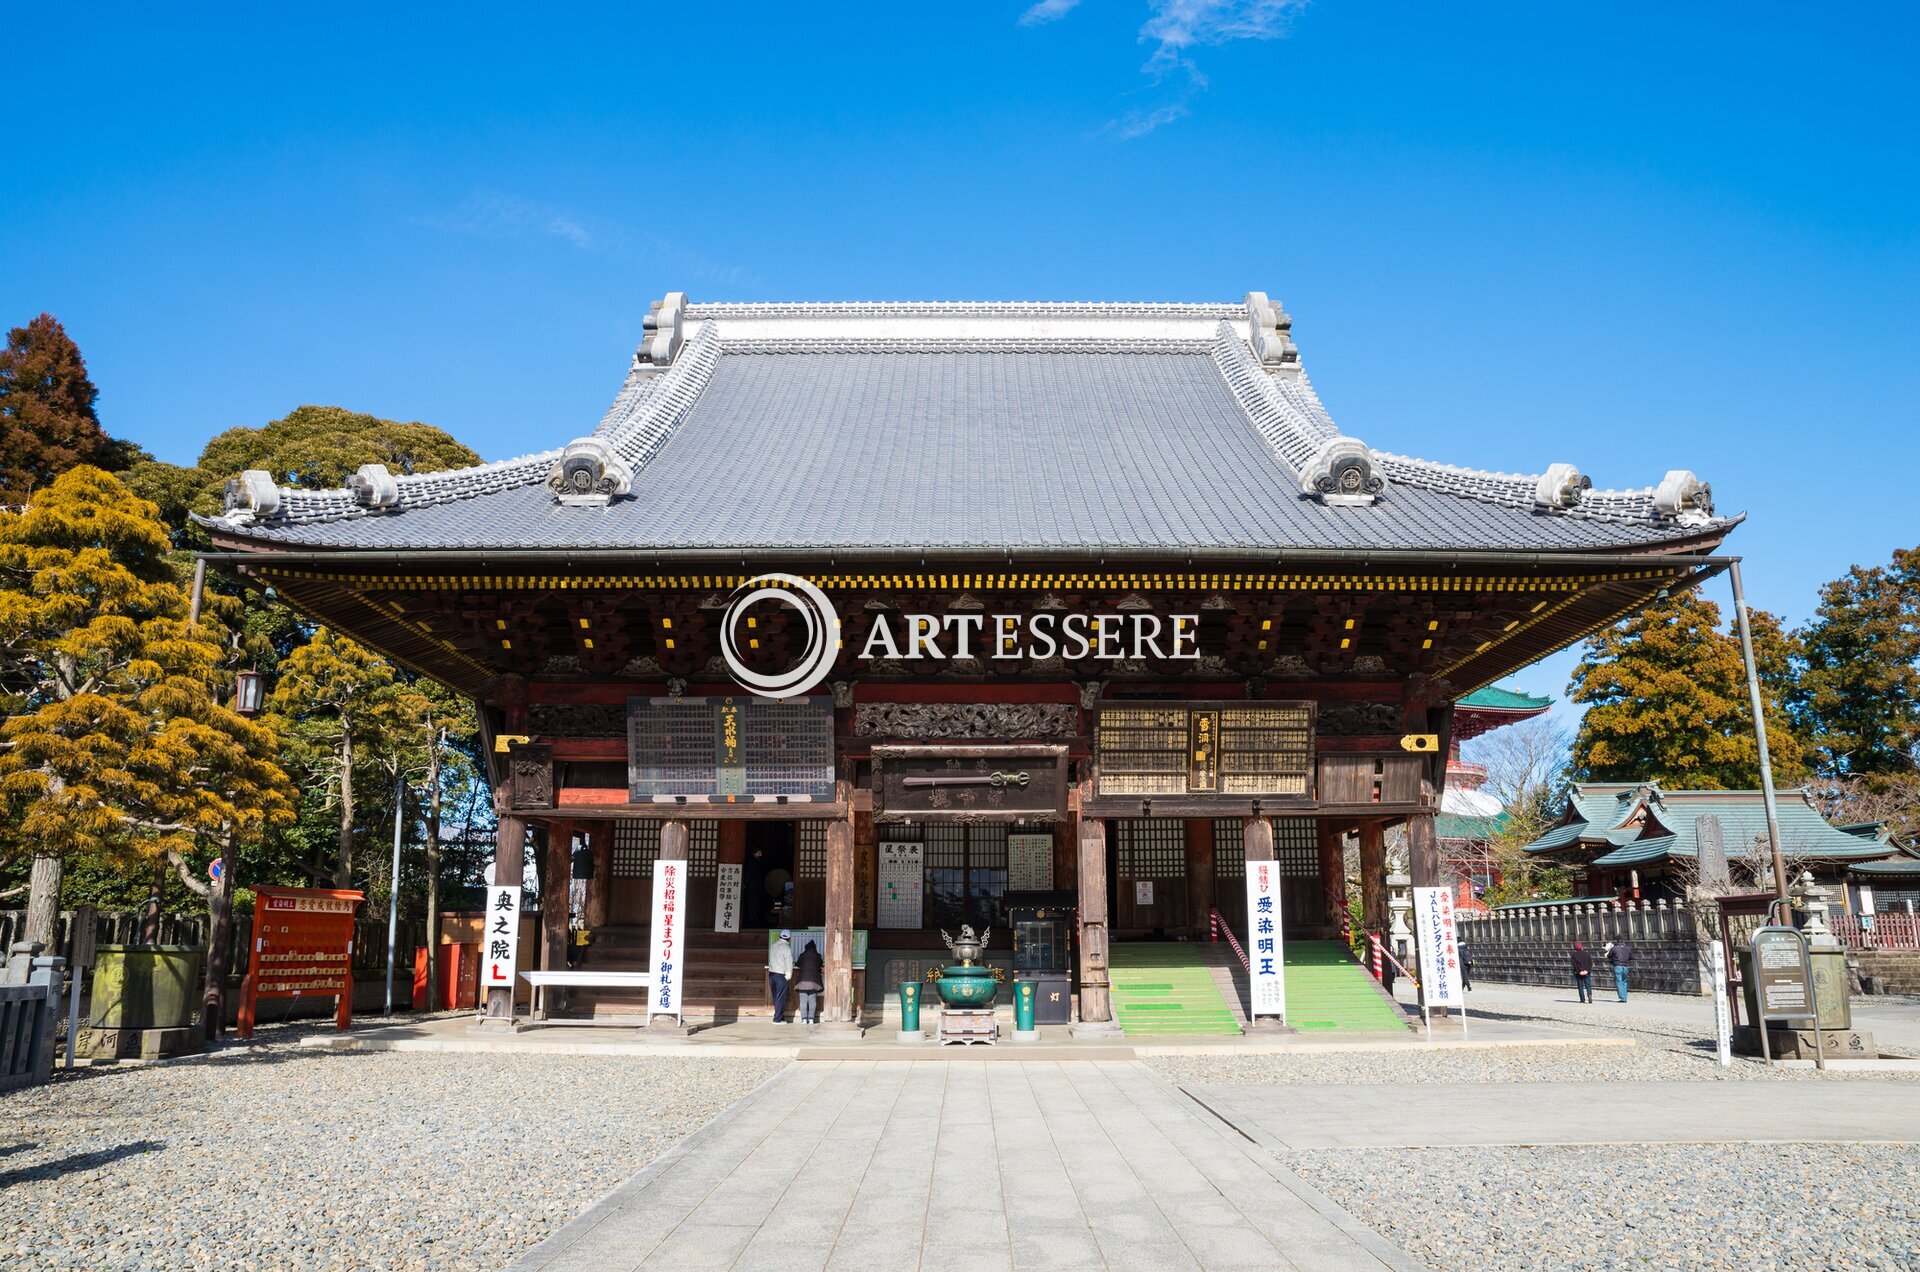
point(1860, 692)
point(117, 745)
point(47, 422)
point(319, 447)
point(1666, 697)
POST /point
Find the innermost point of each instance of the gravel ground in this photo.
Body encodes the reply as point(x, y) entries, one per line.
point(283, 1157)
point(1663, 1052)
point(1666, 1206)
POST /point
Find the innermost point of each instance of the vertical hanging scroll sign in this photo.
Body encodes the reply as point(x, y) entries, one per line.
point(1266, 975)
point(668, 938)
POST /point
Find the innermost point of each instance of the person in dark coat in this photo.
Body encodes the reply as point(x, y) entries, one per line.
point(1620, 953)
point(810, 978)
point(1583, 972)
point(1466, 966)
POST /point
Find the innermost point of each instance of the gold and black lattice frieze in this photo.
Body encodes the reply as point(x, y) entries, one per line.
point(1214, 748)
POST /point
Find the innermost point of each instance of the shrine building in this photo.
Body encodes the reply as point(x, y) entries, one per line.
point(1075, 610)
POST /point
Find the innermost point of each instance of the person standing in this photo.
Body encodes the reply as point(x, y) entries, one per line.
point(810, 978)
point(1620, 953)
point(1466, 967)
point(780, 971)
point(1583, 972)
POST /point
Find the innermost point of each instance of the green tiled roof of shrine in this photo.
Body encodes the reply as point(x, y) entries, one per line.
point(1632, 825)
point(1494, 698)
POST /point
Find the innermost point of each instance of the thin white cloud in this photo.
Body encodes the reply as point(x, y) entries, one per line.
point(1174, 28)
point(492, 215)
point(1047, 11)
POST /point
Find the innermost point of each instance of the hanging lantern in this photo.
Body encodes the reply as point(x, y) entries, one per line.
point(249, 692)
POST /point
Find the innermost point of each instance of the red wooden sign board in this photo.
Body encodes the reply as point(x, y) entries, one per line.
point(302, 946)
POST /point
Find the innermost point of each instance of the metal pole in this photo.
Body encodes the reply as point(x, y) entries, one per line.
point(1759, 730)
point(393, 892)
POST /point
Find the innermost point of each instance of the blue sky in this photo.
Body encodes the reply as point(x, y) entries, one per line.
point(1631, 237)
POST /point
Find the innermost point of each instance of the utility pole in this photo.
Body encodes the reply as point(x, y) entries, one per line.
point(1759, 732)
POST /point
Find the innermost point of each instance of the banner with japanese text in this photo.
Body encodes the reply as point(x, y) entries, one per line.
point(726, 897)
point(668, 936)
point(1266, 976)
point(502, 938)
point(1439, 947)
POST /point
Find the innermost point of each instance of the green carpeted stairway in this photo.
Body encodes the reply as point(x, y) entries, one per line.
point(1167, 989)
point(1328, 992)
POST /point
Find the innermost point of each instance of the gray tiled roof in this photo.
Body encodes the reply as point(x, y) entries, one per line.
point(1014, 444)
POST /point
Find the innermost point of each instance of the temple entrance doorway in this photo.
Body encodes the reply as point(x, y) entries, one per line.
point(766, 880)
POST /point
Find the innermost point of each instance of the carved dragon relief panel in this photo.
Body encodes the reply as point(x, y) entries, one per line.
point(966, 719)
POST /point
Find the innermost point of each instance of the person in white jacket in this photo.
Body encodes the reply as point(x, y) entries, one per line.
point(780, 971)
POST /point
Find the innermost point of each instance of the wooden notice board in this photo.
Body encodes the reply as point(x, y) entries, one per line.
point(1201, 749)
point(302, 948)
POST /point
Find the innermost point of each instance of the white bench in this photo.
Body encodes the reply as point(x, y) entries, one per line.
point(540, 981)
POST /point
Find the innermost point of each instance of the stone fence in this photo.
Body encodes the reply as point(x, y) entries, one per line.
point(1534, 945)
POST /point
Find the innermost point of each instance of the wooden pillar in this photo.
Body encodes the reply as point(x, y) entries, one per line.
point(556, 881)
point(1200, 882)
point(1423, 844)
point(1096, 994)
point(600, 887)
point(839, 1013)
point(1373, 876)
point(509, 870)
point(1066, 853)
point(1333, 874)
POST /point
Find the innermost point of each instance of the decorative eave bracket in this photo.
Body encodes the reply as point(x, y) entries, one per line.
point(589, 474)
point(1343, 474)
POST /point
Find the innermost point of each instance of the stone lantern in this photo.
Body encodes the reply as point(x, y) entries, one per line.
point(1399, 905)
point(1824, 951)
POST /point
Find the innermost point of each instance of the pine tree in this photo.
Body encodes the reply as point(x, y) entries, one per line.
point(343, 710)
point(117, 745)
point(47, 421)
point(1860, 693)
point(1667, 701)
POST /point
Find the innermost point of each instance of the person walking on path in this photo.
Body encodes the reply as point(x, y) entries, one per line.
point(779, 970)
point(1466, 966)
point(1583, 972)
point(1620, 953)
point(810, 978)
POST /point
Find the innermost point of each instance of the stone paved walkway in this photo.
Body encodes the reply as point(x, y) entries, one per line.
point(967, 1166)
point(1430, 1115)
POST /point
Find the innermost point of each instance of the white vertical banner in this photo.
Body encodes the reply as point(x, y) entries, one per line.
point(502, 938)
point(1722, 1008)
point(1439, 947)
point(726, 897)
point(667, 936)
point(1266, 974)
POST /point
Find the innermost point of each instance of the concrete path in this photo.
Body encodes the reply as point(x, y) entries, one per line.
point(969, 1166)
point(1429, 1115)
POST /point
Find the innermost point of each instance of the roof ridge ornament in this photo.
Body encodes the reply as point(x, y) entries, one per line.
point(589, 474)
point(1269, 331)
point(374, 487)
point(1681, 497)
point(252, 496)
point(1342, 474)
point(1561, 486)
point(666, 329)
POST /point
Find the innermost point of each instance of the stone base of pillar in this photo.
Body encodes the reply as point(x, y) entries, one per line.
point(911, 1036)
point(665, 1027)
point(1266, 1025)
point(837, 1031)
point(1100, 1029)
point(498, 1025)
